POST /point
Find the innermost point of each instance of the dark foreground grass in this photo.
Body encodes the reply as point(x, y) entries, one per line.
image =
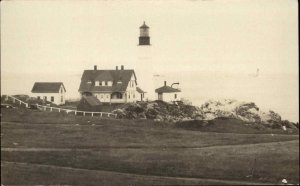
point(35, 174)
point(267, 163)
point(111, 135)
point(138, 147)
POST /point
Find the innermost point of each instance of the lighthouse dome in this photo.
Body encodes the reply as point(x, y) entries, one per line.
point(144, 25)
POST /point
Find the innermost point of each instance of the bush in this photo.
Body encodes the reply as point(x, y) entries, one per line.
point(151, 114)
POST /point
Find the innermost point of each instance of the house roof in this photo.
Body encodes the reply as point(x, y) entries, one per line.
point(92, 100)
point(47, 87)
point(166, 89)
point(139, 90)
point(105, 75)
point(144, 25)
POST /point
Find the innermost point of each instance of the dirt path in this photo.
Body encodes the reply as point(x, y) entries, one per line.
point(36, 149)
point(132, 177)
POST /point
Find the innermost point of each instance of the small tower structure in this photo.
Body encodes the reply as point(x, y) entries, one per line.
point(144, 38)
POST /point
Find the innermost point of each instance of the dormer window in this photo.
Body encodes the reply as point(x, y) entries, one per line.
point(119, 82)
point(97, 83)
point(89, 82)
point(110, 83)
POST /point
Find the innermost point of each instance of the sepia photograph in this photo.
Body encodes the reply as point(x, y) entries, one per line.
point(154, 92)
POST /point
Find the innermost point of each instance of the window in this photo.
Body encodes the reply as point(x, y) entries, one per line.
point(128, 96)
point(52, 98)
point(175, 96)
point(107, 96)
point(38, 97)
point(45, 98)
point(62, 99)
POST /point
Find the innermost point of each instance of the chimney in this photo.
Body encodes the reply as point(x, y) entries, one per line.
point(122, 67)
point(165, 83)
point(95, 67)
point(117, 68)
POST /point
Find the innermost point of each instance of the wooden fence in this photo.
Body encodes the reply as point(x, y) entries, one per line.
point(58, 109)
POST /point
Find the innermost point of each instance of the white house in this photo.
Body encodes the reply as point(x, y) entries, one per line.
point(50, 91)
point(167, 93)
point(110, 86)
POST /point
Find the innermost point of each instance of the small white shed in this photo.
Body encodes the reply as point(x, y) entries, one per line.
point(50, 91)
point(168, 94)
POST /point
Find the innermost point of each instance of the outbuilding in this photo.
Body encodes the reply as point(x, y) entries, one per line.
point(168, 93)
point(89, 103)
point(141, 94)
point(53, 92)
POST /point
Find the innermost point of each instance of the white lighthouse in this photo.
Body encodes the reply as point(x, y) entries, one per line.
point(145, 68)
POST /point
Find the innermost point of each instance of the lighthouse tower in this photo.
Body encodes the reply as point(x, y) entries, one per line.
point(144, 67)
point(144, 38)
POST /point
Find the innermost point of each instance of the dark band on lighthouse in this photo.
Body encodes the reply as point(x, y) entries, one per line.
point(144, 38)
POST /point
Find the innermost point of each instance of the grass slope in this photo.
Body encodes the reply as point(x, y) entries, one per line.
point(138, 147)
point(232, 126)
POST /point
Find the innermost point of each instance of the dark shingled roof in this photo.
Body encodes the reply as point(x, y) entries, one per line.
point(105, 75)
point(91, 100)
point(166, 89)
point(139, 90)
point(144, 25)
point(47, 87)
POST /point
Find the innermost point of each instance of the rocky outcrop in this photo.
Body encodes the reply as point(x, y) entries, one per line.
point(248, 112)
point(245, 111)
point(159, 111)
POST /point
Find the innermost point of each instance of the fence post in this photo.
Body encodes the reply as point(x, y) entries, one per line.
point(75, 113)
point(101, 114)
point(51, 109)
point(59, 110)
point(83, 113)
point(92, 114)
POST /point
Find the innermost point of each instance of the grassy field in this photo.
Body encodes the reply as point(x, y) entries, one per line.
point(38, 148)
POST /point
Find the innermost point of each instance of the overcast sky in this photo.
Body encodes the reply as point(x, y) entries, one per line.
point(212, 47)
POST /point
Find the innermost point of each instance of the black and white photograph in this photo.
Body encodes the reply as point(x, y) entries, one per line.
point(153, 92)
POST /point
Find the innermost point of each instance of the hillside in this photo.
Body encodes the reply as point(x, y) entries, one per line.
point(247, 112)
point(140, 152)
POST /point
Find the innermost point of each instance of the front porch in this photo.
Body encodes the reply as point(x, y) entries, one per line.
point(118, 97)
